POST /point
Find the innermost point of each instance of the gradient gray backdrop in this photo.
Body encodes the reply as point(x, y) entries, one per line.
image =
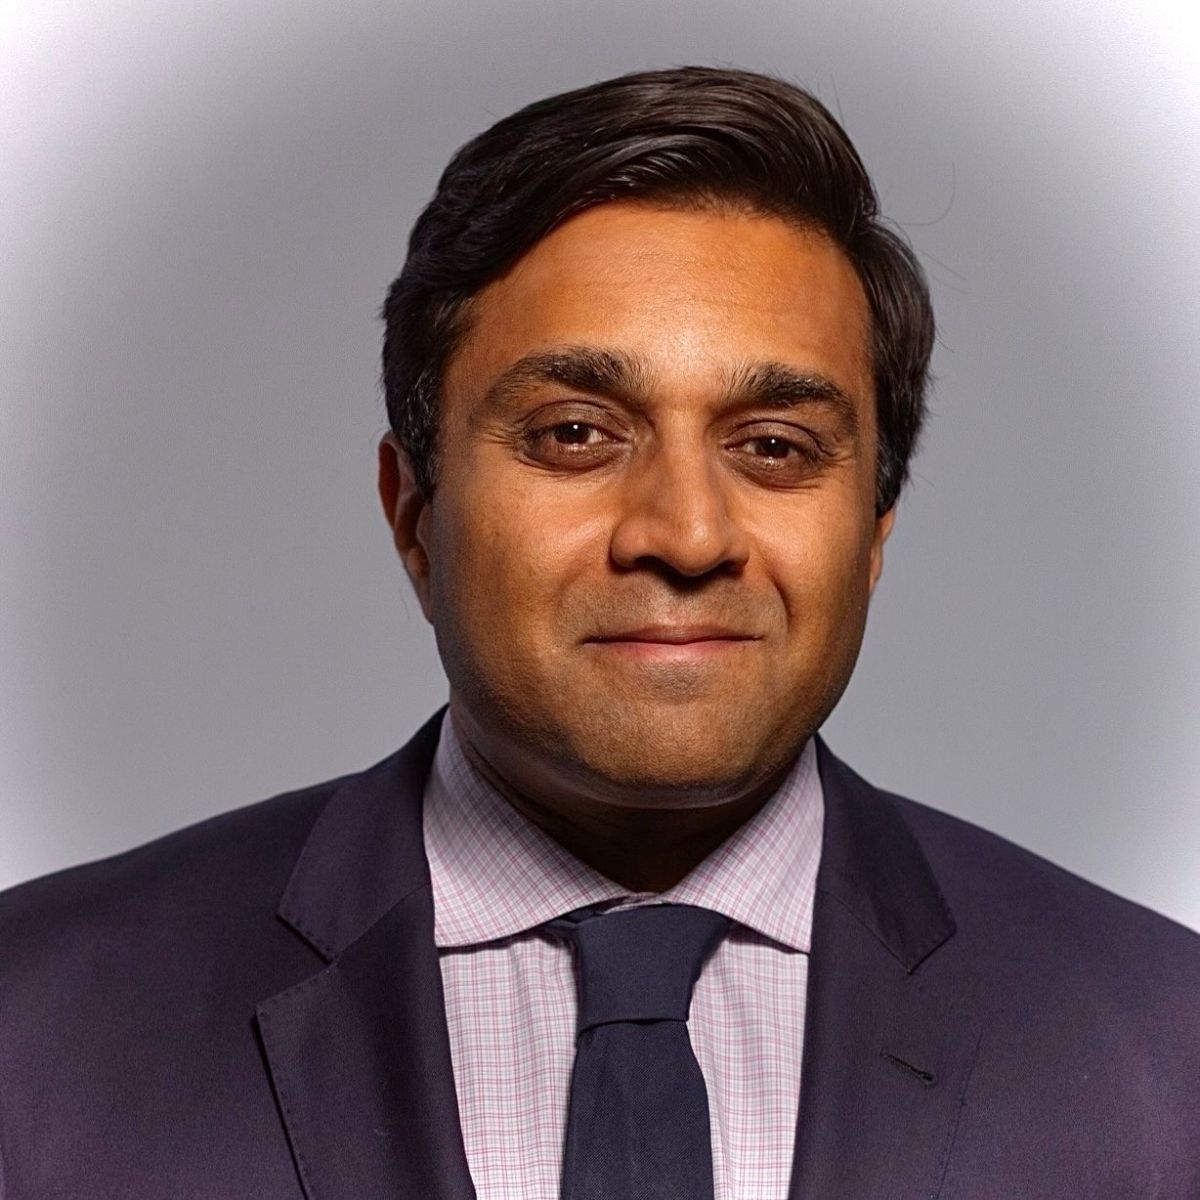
point(201, 207)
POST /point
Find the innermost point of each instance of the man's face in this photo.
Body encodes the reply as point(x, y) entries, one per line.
point(652, 543)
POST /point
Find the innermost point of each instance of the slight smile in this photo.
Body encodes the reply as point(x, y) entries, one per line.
point(672, 642)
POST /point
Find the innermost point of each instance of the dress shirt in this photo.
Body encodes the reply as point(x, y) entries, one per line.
point(510, 987)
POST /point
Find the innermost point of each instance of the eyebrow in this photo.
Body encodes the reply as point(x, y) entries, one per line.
point(625, 377)
point(777, 386)
point(586, 368)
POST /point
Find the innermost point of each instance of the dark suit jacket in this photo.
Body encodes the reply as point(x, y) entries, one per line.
point(253, 1008)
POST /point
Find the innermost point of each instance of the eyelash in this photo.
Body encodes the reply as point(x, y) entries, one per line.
point(810, 454)
point(546, 432)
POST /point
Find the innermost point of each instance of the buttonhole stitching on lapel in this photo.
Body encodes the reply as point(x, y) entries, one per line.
point(924, 1076)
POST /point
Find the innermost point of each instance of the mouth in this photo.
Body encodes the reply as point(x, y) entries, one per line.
point(673, 642)
point(674, 635)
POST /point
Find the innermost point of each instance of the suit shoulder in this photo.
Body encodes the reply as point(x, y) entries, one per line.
point(1031, 908)
point(236, 860)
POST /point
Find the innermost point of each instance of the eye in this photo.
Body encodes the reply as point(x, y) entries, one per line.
point(572, 433)
point(569, 443)
point(780, 457)
point(771, 447)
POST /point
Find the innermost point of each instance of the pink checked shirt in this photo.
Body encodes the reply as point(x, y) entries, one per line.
point(510, 990)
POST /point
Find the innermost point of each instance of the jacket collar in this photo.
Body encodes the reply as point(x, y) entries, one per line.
point(889, 1043)
point(873, 866)
point(365, 853)
point(359, 1054)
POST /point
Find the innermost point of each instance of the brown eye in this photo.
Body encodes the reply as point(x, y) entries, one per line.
point(770, 447)
point(781, 459)
point(572, 433)
point(570, 444)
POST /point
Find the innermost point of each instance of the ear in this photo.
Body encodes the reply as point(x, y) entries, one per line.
point(407, 511)
point(883, 526)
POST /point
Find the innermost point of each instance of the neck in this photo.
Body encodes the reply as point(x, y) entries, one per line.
point(642, 849)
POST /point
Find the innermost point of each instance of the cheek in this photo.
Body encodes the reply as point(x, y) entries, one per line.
point(823, 581)
point(474, 567)
point(473, 600)
point(819, 562)
point(505, 561)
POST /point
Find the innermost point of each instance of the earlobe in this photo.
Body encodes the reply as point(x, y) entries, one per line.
point(883, 527)
point(407, 511)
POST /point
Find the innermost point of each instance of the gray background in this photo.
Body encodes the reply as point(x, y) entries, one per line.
point(202, 205)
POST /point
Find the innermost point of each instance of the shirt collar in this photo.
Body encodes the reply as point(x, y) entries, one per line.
point(495, 874)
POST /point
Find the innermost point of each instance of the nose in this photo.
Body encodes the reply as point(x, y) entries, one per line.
point(675, 514)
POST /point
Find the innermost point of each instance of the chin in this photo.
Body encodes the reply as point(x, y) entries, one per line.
point(669, 760)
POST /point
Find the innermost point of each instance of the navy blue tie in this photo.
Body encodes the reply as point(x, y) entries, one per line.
point(637, 1121)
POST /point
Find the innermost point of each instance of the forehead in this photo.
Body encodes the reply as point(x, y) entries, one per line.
point(692, 293)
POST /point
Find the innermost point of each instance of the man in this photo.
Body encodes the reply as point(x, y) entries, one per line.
point(618, 924)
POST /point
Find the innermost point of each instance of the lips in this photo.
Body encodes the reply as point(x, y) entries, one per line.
point(676, 635)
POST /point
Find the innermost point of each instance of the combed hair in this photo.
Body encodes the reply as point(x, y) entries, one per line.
point(688, 136)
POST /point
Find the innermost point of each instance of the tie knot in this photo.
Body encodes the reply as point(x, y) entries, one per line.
point(640, 964)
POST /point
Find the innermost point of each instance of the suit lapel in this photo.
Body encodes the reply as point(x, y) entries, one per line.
point(886, 1057)
point(359, 1053)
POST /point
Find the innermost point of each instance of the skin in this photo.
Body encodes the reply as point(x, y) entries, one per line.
point(651, 547)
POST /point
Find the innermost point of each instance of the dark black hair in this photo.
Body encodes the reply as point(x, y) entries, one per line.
point(692, 136)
